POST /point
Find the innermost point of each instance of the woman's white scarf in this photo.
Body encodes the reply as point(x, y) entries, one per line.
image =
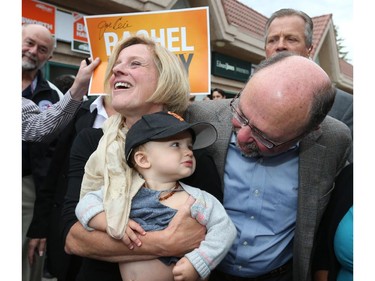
point(107, 167)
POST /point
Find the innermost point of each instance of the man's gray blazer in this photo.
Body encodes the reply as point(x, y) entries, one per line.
point(323, 153)
point(342, 109)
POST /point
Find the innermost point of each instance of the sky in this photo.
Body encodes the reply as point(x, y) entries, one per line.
point(341, 10)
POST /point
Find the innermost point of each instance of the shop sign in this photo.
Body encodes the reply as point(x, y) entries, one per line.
point(230, 67)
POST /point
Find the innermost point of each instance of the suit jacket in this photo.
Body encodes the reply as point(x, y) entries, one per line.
point(342, 109)
point(36, 157)
point(340, 203)
point(323, 153)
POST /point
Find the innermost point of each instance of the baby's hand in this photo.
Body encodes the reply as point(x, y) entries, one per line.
point(132, 233)
point(185, 271)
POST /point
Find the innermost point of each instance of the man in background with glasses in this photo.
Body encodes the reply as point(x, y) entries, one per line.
point(278, 155)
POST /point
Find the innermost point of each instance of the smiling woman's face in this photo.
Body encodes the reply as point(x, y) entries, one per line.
point(134, 79)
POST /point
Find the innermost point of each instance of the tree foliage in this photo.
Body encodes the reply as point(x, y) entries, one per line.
point(340, 45)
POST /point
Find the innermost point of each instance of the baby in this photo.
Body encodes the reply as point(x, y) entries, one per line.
point(160, 148)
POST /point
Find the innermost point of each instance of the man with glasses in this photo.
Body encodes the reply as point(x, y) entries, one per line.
point(278, 154)
point(243, 122)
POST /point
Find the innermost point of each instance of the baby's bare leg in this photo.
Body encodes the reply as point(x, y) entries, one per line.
point(153, 270)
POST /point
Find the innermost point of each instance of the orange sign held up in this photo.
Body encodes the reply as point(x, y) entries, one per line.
point(184, 32)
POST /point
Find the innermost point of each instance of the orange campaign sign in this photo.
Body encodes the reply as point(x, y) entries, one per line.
point(184, 32)
point(79, 42)
point(39, 13)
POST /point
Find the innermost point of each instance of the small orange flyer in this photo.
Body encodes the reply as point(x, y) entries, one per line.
point(184, 32)
point(79, 42)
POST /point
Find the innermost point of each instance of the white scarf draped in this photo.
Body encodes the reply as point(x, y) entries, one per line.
point(107, 167)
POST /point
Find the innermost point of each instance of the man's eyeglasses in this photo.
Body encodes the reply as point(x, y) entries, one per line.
point(256, 133)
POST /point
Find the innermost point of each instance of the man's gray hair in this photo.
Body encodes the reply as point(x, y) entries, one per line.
point(309, 26)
